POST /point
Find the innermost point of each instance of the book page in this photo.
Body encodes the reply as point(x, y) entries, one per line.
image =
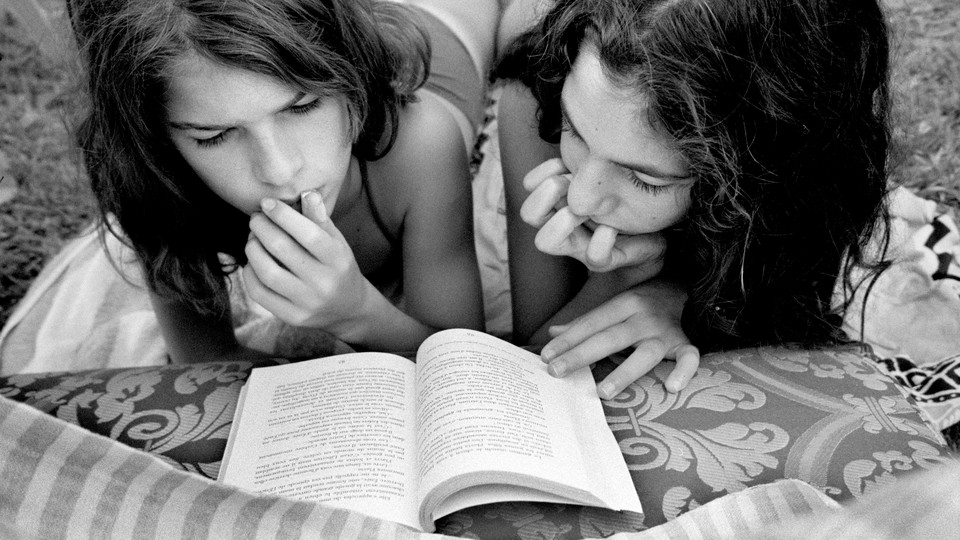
point(488, 409)
point(337, 430)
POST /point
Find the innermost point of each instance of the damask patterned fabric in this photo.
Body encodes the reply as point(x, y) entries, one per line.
point(828, 417)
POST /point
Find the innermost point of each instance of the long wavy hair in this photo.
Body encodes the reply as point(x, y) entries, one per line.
point(781, 108)
point(372, 52)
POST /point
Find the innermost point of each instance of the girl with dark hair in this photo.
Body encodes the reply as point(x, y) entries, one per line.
point(314, 152)
point(735, 148)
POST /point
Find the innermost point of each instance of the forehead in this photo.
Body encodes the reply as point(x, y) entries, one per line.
point(613, 120)
point(199, 87)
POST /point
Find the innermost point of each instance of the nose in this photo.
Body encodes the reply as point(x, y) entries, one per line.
point(591, 191)
point(277, 161)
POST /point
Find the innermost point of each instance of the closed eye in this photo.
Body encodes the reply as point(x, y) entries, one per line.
point(647, 187)
point(305, 107)
point(212, 141)
point(567, 127)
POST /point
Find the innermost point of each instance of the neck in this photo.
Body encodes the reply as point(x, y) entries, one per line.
point(352, 190)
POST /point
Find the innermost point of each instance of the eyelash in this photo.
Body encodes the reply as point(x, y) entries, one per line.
point(565, 127)
point(212, 141)
point(306, 108)
point(652, 189)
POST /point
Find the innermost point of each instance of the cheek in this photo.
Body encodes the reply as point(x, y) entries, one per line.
point(223, 176)
point(675, 207)
point(648, 213)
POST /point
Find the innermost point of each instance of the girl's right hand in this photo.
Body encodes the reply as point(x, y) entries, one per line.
point(563, 233)
point(302, 270)
point(646, 317)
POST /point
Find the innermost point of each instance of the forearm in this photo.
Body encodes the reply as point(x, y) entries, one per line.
point(597, 289)
point(378, 324)
point(192, 338)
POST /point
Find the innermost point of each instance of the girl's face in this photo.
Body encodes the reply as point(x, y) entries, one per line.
point(625, 174)
point(248, 136)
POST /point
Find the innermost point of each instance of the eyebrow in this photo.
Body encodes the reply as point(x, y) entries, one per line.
point(639, 167)
point(223, 127)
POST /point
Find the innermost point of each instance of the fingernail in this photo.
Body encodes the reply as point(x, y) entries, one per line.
point(557, 369)
point(268, 204)
point(676, 384)
point(314, 199)
point(605, 390)
point(548, 354)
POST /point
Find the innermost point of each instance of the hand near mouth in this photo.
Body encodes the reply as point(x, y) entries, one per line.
point(600, 248)
point(300, 267)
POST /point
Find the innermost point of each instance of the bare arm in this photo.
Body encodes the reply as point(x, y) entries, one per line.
point(540, 284)
point(440, 271)
point(191, 337)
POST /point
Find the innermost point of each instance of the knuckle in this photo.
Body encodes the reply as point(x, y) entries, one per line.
point(574, 358)
point(544, 245)
point(297, 319)
point(269, 276)
point(313, 238)
point(634, 303)
point(276, 245)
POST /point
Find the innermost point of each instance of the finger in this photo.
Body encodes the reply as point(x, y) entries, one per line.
point(552, 235)
point(313, 207)
point(270, 273)
point(550, 167)
point(614, 311)
point(263, 295)
point(281, 245)
point(539, 206)
point(599, 250)
point(313, 236)
point(595, 348)
point(576, 244)
point(688, 360)
point(637, 249)
point(648, 354)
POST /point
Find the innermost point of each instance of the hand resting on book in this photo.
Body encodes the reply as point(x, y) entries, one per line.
point(646, 317)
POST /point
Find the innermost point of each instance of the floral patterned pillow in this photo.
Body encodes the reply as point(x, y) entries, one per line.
point(828, 417)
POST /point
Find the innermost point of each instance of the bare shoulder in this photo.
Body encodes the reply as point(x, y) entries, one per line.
point(517, 17)
point(427, 155)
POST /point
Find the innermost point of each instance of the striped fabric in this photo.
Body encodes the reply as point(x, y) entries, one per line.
point(81, 313)
point(747, 512)
point(60, 481)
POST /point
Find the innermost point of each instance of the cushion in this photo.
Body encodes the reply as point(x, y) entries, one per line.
point(828, 417)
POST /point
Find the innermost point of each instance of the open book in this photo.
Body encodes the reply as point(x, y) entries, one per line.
point(476, 420)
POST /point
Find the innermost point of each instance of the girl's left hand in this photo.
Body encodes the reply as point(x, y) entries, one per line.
point(301, 268)
point(646, 317)
point(563, 233)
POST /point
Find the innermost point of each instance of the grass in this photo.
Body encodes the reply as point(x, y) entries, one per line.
point(926, 92)
point(51, 202)
point(50, 198)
